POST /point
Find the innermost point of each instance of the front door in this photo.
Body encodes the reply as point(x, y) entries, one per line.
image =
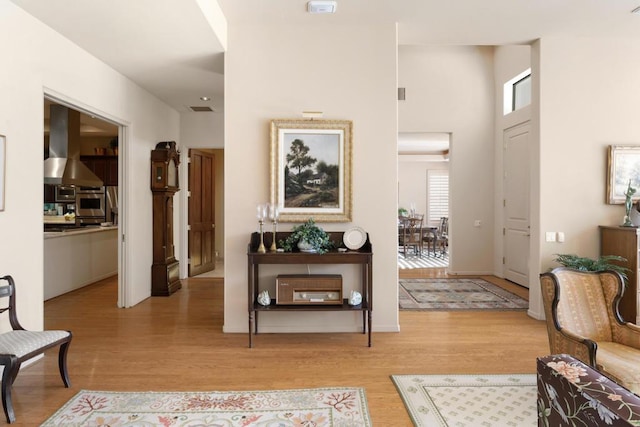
point(516, 203)
point(201, 212)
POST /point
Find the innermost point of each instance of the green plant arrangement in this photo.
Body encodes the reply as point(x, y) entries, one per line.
point(403, 212)
point(588, 264)
point(317, 239)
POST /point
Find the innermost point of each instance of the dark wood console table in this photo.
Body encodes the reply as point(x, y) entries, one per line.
point(363, 256)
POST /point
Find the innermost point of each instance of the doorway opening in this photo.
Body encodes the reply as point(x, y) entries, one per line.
point(423, 169)
point(85, 244)
point(205, 213)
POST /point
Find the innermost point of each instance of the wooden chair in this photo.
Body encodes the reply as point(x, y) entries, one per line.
point(443, 235)
point(581, 310)
point(19, 345)
point(410, 234)
point(438, 238)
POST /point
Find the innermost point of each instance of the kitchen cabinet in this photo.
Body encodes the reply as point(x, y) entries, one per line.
point(76, 258)
point(625, 242)
point(105, 167)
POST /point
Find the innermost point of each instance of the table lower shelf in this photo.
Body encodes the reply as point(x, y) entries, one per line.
point(364, 308)
point(311, 307)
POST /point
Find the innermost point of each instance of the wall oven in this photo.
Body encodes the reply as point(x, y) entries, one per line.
point(90, 205)
point(64, 193)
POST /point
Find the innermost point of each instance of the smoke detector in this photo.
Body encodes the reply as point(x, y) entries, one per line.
point(322, 6)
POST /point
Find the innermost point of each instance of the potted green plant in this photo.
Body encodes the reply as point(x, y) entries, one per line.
point(403, 212)
point(588, 264)
point(307, 237)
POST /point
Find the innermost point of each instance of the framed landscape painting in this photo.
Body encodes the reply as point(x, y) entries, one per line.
point(623, 166)
point(311, 169)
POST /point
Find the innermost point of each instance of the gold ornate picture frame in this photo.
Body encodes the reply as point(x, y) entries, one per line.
point(311, 169)
point(623, 166)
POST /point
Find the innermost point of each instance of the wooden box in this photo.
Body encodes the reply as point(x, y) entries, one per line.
point(309, 289)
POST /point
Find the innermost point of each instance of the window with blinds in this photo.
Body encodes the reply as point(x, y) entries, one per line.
point(437, 195)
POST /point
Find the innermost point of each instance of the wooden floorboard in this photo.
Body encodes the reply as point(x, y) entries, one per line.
point(176, 343)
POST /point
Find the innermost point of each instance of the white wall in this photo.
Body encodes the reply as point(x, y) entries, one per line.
point(412, 182)
point(589, 99)
point(450, 89)
point(40, 61)
point(278, 72)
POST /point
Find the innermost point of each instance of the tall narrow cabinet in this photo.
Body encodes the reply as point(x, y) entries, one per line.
point(625, 242)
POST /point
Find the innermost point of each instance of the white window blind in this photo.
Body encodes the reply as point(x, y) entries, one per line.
point(437, 194)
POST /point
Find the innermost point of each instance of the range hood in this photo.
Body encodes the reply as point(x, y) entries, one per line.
point(63, 167)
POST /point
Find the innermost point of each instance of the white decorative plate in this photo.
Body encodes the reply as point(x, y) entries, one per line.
point(354, 238)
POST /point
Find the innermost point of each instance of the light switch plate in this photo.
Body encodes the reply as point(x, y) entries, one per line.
point(550, 236)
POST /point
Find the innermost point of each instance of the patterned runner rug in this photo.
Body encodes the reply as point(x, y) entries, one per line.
point(318, 407)
point(456, 294)
point(469, 400)
point(424, 261)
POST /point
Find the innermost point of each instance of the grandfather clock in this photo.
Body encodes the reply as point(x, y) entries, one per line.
point(165, 275)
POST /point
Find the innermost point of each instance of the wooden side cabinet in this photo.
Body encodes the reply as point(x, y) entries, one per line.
point(165, 277)
point(362, 257)
point(625, 242)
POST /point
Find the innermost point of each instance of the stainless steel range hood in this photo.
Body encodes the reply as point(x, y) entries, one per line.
point(63, 167)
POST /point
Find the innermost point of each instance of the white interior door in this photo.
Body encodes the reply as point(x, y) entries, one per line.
point(516, 204)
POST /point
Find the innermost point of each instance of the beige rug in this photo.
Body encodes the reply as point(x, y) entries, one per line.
point(469, 400)
point(447, 294)
point(327, 407)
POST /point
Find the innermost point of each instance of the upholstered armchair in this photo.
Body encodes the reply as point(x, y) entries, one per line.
point(582, 315)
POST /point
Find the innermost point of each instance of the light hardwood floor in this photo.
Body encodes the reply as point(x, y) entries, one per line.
point(176, 343)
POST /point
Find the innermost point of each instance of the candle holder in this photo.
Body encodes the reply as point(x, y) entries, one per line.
point(274, 247)
point(261, 248)
point(261, 215)
point(273, 215)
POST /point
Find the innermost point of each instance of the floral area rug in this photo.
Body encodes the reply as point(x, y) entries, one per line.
point(469, 400)
point(456, 294)
point(339, 407)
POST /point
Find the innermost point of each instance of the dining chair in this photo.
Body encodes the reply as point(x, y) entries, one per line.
point(410, 234)
point(443, 235)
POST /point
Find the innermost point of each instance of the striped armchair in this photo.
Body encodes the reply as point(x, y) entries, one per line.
point(582, 315)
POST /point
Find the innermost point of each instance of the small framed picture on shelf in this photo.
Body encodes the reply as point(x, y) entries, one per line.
point(311, 169)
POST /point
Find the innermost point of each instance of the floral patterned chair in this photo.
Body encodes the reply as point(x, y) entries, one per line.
point(571, 393)
point(582, 315)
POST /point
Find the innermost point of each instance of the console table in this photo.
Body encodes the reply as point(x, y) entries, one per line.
point(363, 257)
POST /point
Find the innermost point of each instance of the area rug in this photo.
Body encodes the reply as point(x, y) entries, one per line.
point(440, 261)
point(469, 400)
point(304, 407)
point(456, 294)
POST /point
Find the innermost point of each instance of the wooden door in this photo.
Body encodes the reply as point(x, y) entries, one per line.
point(201, 212)
point(516, 204)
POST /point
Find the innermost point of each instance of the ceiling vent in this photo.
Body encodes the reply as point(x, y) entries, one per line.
point(321, 6)
point(200, 109)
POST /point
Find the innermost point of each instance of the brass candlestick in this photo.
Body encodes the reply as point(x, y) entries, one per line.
point(274, 247)
point(261, 248)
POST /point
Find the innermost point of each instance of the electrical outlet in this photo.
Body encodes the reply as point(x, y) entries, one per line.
point(550, 236)
point(477, 223)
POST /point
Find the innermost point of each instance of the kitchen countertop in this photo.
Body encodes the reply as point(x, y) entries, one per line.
point(77, 231)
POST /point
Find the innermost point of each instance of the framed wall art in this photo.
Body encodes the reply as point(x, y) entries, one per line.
point(623, 166)
point(311, 169)
point(3, 163)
